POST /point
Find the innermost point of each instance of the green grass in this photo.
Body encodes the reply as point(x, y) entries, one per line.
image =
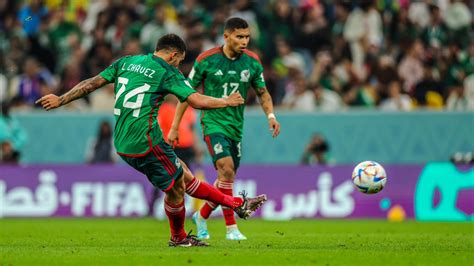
point(300, 242)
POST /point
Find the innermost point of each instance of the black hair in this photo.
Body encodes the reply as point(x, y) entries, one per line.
point(235, 23)
point(171, 41)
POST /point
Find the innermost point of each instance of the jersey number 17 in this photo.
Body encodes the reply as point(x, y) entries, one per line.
point(234, 86)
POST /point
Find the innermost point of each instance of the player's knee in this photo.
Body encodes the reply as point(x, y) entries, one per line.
point(176, 193)
point(180, 186)
point(187, 175)
point(228, 172)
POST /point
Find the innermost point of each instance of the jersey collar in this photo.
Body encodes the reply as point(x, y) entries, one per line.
point(159, 60)
point(225, 56)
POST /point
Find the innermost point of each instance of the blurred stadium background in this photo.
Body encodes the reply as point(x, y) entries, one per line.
point(384, 80)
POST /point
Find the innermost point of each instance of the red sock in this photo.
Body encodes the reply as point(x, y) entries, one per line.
point(226, 188)
point(176, 215)
point(208, 207)
point(203, 190)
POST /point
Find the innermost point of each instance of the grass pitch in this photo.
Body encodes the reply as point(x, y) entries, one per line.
point(299, 242)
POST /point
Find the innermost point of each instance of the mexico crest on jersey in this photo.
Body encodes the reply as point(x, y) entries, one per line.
point(245, 75)
point(218, 148)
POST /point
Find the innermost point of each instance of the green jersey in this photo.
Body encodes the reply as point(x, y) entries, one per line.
point(221, 77)
point(141, 82)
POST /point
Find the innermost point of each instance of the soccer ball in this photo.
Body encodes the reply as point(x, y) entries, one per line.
point(369, 177)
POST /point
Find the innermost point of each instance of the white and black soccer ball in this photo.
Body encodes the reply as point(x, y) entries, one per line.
point(369, 177)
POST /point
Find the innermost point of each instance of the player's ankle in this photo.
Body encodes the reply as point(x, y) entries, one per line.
point(200, 217)
point(231, 227)
point(238, 201)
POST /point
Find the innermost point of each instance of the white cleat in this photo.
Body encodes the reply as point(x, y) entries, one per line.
point(201, 226)
point(234, 234)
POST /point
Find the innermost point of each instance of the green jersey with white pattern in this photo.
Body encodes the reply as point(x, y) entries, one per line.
point(140, 84)
point(221, 77)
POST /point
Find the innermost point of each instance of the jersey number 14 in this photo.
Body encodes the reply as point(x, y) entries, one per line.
point(136, 106)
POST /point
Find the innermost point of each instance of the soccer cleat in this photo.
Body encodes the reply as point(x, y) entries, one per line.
point(234, 234)
point(189, 241)
point(250, 205)
point(201, 226)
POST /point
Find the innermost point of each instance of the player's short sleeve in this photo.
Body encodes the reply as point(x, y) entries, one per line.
point(258, 81)
point(196, 75)
point(110, 73)
point(179, 86)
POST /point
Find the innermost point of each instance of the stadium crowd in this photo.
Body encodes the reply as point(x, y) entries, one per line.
point(318, 55)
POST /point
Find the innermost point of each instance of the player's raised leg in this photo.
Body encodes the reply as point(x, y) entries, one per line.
point(243, 206)
point(167, 176)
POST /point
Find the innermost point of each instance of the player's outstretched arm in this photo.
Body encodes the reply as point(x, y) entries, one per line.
point(84, 87)
point(173, 137)
point(267, 106)
point(199, 101)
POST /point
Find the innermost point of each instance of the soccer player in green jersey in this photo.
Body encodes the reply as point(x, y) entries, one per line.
point(223, 71)
point(141, 82)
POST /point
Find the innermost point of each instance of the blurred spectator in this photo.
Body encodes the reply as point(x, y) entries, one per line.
point(99, 57)
point(317, 151)
point(327, 100)
point(410, 69)
point(385, 72)
point(461, 64)
point(132, 47)
point(156, 28)
point(3, 88)
point(363, 30)
point(12, 135)
point(64, 37)
point(396, 100)
point(461, 96)
point(7, 154)
point(101, 149)
point(281, 21)
point(289, 58)
point(33, 83)
point(322, 72)
point(314, 31)
point(70, 77)
point(195, 47)
point(285, 65)
point(298, 97)
point(435, 34)
point(401, 30)
point(103, 99)
point(31, 16)
point(364, 94)
point(429, 90)
point(118, 34)
point(91, 21)
point(419, 13)
point(458, 19)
